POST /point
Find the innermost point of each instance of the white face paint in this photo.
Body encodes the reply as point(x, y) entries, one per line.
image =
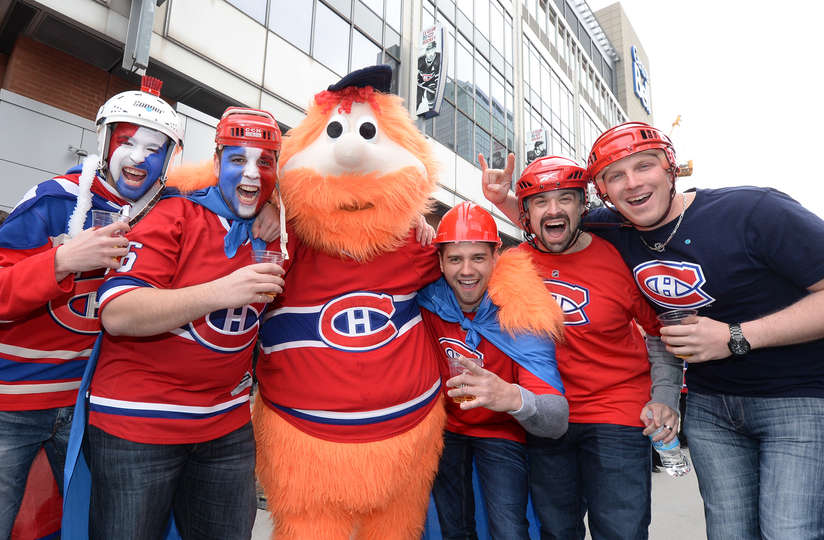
point(353, 144)
point(130, 169)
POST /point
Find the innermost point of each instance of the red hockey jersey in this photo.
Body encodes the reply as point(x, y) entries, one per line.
point(346, 357)
point(480, 422)
point(47, 328)
point(603, 358)
point(191, 384)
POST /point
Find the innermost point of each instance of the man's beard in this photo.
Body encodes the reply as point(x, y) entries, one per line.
point(361, 215)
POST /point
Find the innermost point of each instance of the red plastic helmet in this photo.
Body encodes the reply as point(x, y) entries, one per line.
point(549, 174)
point(467, 222)
point(240, 126)
point(624, 140)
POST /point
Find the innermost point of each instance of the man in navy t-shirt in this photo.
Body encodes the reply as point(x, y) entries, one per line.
point(751, 261)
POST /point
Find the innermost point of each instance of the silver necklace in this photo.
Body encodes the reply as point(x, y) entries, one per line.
point(659, 246)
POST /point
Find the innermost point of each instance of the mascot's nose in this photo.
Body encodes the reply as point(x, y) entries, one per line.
point(350, 150)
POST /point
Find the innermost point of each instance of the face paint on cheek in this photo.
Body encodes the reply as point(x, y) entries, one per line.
point(133, 166)
point(119, 147)
point(230, 176)
point(268, 179)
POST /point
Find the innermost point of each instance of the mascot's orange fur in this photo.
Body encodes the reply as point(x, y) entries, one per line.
point(354, 176)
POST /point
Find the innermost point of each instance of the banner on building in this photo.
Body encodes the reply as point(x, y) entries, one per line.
point(497, 157)
point(431, 72)
point(535, 145)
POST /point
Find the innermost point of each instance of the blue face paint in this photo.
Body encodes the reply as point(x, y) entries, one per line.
point(153, 165)
point(231, 173)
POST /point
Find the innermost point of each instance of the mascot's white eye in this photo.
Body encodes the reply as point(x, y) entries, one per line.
point(368, 128)
point(337, 126)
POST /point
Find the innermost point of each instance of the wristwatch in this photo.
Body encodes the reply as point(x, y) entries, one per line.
point(738, 344)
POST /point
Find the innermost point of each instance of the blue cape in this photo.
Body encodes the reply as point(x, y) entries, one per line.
point(241, 229)
point(534, 353)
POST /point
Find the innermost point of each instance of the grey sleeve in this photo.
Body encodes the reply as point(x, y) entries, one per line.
point(667, 373)
point(544, 415)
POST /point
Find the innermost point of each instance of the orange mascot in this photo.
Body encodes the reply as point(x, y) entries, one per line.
point(349, 418)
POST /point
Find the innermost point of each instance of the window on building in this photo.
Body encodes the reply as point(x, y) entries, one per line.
point(292, 20)
point(364, 52)
point(253, 8)
point(331, 43)
point(322, 29)
point(479, 83)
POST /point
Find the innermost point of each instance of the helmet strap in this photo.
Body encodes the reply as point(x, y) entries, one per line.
point(145, 203)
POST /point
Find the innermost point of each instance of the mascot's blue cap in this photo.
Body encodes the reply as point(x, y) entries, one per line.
point(378, 77)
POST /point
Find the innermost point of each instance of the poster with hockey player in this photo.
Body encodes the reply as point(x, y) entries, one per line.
point(535, 145)
point(431, 72)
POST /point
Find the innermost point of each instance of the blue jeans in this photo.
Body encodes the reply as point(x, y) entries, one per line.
point(760, 465)
point(603, 469)
point(22, 434)
point(502, 471)
point(209, 486)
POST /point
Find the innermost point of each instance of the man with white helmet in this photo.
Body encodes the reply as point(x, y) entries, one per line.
point(51, 263)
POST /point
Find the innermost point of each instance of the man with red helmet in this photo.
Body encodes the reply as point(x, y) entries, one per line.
point(756, 386)
point(169, 424)
point(510, 385)
point(602, 465)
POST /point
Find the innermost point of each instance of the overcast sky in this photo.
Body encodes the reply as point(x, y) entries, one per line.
point(746, 79)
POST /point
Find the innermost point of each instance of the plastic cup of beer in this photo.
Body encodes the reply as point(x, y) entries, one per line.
point(268, 256)
point(101, 218)
point(677, 316)
point(455, 369)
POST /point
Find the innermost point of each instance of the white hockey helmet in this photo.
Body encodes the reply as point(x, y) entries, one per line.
point(143, 108)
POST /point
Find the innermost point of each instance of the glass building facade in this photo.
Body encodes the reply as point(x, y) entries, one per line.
point(514, 68)
point(533, 57)
point(343, 35)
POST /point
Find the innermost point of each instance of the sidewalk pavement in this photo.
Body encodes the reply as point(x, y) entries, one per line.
point(677, 511)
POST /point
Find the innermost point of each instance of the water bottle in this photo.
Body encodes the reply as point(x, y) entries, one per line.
point(673, 459)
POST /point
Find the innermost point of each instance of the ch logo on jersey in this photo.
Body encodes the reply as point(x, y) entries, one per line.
point(76, 310)
point(227, 330)
point(454, 348)
point(672, 284)
point(358, 321)
point(572, 299)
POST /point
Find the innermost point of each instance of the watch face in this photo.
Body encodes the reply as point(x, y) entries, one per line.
point(739, 347)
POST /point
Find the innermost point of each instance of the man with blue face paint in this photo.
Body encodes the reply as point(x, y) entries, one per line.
point(51, 263)
point(169, 421)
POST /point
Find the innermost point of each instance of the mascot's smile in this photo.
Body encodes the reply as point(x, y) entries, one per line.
point(354, 207)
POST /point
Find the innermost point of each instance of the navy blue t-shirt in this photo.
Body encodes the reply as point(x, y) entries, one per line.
point(739, 254)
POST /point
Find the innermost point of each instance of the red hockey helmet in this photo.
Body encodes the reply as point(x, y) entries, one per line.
point(467, 222)
point(549, 174)
point(240, 126)
point(624, 140)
